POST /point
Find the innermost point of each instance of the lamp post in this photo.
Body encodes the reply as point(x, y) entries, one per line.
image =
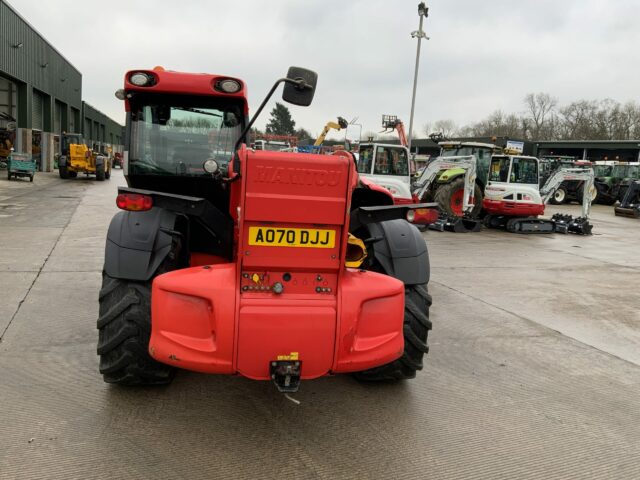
point(423, 11)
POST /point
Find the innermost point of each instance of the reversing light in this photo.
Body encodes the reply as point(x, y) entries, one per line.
point(134, 202)
point(140, 79)
point(228, 85)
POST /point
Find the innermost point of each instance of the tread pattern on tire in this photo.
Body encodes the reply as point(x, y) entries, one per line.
point(124, 325)
point(416, 331)
point(444, 193)
point(100, 173)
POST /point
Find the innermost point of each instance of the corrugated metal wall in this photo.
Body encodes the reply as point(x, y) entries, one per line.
point(47, 86)
point(27, 57)
point(99, 127)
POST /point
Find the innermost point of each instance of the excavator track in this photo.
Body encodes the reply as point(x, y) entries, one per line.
point(530, 225)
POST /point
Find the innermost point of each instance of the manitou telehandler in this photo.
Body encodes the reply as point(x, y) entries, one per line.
point(514, 200)
point(285, 266)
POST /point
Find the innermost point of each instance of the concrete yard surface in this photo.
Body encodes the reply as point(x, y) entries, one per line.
point(533, 372)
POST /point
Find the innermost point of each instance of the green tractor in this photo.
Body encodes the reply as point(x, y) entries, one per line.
point(448, 188)
point(612, 181)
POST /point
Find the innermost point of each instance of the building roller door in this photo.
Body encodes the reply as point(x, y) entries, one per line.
point(37, 113)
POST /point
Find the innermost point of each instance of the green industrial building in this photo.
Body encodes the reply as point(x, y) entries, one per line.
point(41, 96)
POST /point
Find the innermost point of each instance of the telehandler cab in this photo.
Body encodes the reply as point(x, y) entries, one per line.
point(272, 265)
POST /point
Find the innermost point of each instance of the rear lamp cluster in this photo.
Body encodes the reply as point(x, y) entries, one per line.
point(134, 202)
point(142, 79)
point(227, 85)
point(422, 216)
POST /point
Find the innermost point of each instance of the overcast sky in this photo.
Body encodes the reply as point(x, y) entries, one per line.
point(482, 55)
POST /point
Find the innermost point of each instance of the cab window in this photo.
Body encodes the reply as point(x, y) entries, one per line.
point(524, 170)
point(499, 171)
point(399, 162)
point(365, 156)
point(382, 164)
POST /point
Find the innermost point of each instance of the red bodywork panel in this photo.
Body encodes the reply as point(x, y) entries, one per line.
point(167, 81)
point(512, 209)
point(229, 318)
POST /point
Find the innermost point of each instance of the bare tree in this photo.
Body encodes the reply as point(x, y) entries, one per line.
point(540, 108)
point(448, 128)
point(498, 124)
point(574, 120)
point(544, 120)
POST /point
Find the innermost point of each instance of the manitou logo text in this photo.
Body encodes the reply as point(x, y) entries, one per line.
point(298, 176)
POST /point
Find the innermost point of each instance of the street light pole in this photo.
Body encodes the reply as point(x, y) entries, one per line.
point(423, 11)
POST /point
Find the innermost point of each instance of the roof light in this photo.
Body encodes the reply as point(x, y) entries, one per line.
point(134, 202)
point(141, 79)
point(228, 85)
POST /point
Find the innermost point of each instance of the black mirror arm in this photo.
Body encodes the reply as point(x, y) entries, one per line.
point(298, 82)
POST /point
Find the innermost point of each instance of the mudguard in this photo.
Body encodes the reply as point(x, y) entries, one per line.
point(401, 250)
point(62, 161)
point(137, 244)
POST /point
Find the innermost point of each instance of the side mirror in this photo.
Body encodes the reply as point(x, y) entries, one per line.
point(302, 93)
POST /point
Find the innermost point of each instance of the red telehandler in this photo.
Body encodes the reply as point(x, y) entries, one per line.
point(272, 265)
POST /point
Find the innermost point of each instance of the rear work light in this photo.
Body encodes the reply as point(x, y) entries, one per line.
point(134, 202)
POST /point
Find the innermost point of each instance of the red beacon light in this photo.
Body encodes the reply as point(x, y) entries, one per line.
point(134, 202)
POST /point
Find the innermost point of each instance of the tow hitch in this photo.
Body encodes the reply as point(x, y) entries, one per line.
point(286, 375)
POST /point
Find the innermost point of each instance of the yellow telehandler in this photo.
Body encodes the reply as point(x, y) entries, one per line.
point(76, 157)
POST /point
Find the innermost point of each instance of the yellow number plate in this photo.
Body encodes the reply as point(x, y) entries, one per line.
point(292, 237)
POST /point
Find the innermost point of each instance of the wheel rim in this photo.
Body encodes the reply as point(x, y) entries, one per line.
point(456, 202)
point(594, 192)
point(559, 195)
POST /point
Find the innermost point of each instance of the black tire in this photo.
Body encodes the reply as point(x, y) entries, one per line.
point(416, 332)
point(100, 173)
point(31, 178)
point(124, 325)
point(73, 174)
point(64, 172)
point(107, 174)
point(8, 175)
point(559, 197)
point(580, 193)
point(445, 193)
